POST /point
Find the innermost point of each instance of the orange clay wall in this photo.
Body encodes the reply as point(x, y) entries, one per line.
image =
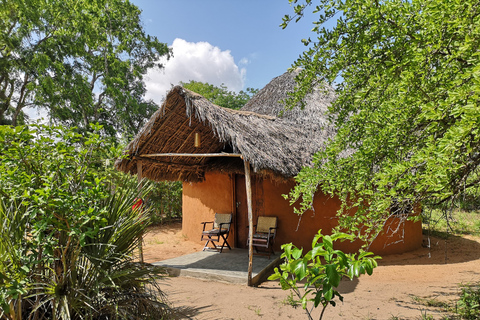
point(300, 231)
point(200, 202)
point(290, 227)
point(215, 194)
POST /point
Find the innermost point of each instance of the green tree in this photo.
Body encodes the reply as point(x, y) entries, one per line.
point(220, 96)
point(82, 61)
point(407, 76)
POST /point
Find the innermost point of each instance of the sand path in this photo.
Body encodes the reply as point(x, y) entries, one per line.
point(400, 287)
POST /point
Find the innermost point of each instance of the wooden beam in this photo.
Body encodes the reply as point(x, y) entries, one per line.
point(175, 165)
point(139, 179)
point(139, 174)
point(248, 184)
point(202, 155)
point(234, 207)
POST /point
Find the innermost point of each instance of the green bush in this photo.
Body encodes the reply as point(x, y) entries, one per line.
point(68, 233)
point(468, 307)
point(320, 270)
point(165, 201)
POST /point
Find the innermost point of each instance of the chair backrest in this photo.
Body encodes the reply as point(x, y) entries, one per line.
point(265, 223)
point(222, 218)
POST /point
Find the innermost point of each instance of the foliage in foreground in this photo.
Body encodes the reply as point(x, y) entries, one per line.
point(468, 307)
point(320, 270)
point(67, 233)
point(408, 108)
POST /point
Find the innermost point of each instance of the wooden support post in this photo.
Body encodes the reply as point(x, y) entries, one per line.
point(139, 178)
point(248, 183)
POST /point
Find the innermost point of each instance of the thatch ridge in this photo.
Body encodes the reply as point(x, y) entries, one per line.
point(274, 146)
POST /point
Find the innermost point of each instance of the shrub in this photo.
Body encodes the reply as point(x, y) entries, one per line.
point(165, 201)
point(468, 307)
point(68, 232)
point(320, 270)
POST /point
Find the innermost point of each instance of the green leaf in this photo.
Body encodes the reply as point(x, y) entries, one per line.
point(332, 274)
point(284, 284)
point(318, 251)
point(342, 258)
point(300, 269)
point(368, 265)
point(327, 242)
point(351, 271)
point(287, 248)
point(275, 275)
point(318, 298)
point(297, 253)
point(327, 292)
point(316, 238)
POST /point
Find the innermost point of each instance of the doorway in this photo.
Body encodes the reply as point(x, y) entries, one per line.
point(241, 213)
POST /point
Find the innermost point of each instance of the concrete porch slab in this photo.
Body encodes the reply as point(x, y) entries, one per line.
point(229, 266)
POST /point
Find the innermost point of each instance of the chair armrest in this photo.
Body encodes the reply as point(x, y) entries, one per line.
point(205, 223)
point(221, 226)
point(270, 231)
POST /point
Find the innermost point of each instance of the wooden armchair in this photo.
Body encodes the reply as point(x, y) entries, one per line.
point(218, 232)
point(264, 235)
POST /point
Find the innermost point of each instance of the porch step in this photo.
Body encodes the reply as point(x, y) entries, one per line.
point(230, 266)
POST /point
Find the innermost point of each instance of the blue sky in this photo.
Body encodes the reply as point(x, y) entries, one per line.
point(235, 42)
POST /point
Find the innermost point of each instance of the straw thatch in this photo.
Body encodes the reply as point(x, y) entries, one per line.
point(275, 146)
point(311, 117)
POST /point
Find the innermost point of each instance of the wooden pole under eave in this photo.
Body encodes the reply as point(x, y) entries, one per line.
point(139, 179)
point(248, 184)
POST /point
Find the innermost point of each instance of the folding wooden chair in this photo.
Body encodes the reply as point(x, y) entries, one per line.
point(219, 232)
point(264, 235)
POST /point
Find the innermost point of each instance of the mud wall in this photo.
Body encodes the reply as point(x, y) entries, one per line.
point(202, 200)
point(216, 194)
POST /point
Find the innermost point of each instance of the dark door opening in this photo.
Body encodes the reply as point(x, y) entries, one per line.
point(241, 216)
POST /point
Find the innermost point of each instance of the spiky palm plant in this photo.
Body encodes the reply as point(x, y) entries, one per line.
point(68, 232)
point(14, 264)
point(84, 277)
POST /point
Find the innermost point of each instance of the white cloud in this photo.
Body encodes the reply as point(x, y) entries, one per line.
point(244, 61)
point(195, 61)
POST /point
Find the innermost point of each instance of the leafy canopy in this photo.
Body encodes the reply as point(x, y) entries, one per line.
point(220, 96)
point(81, 61)
point(407, 75)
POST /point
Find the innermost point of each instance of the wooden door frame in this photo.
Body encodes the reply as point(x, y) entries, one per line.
point(241, 217)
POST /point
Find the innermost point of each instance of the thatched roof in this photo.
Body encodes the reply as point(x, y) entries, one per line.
point(270, 101)
point(274, 146)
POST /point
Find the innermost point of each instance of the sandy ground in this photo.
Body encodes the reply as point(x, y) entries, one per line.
point(401, 287)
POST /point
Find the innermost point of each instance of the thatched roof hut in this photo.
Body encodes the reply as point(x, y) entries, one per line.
point(276, 146)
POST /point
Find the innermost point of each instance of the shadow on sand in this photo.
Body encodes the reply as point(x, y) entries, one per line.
point(438, 249)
